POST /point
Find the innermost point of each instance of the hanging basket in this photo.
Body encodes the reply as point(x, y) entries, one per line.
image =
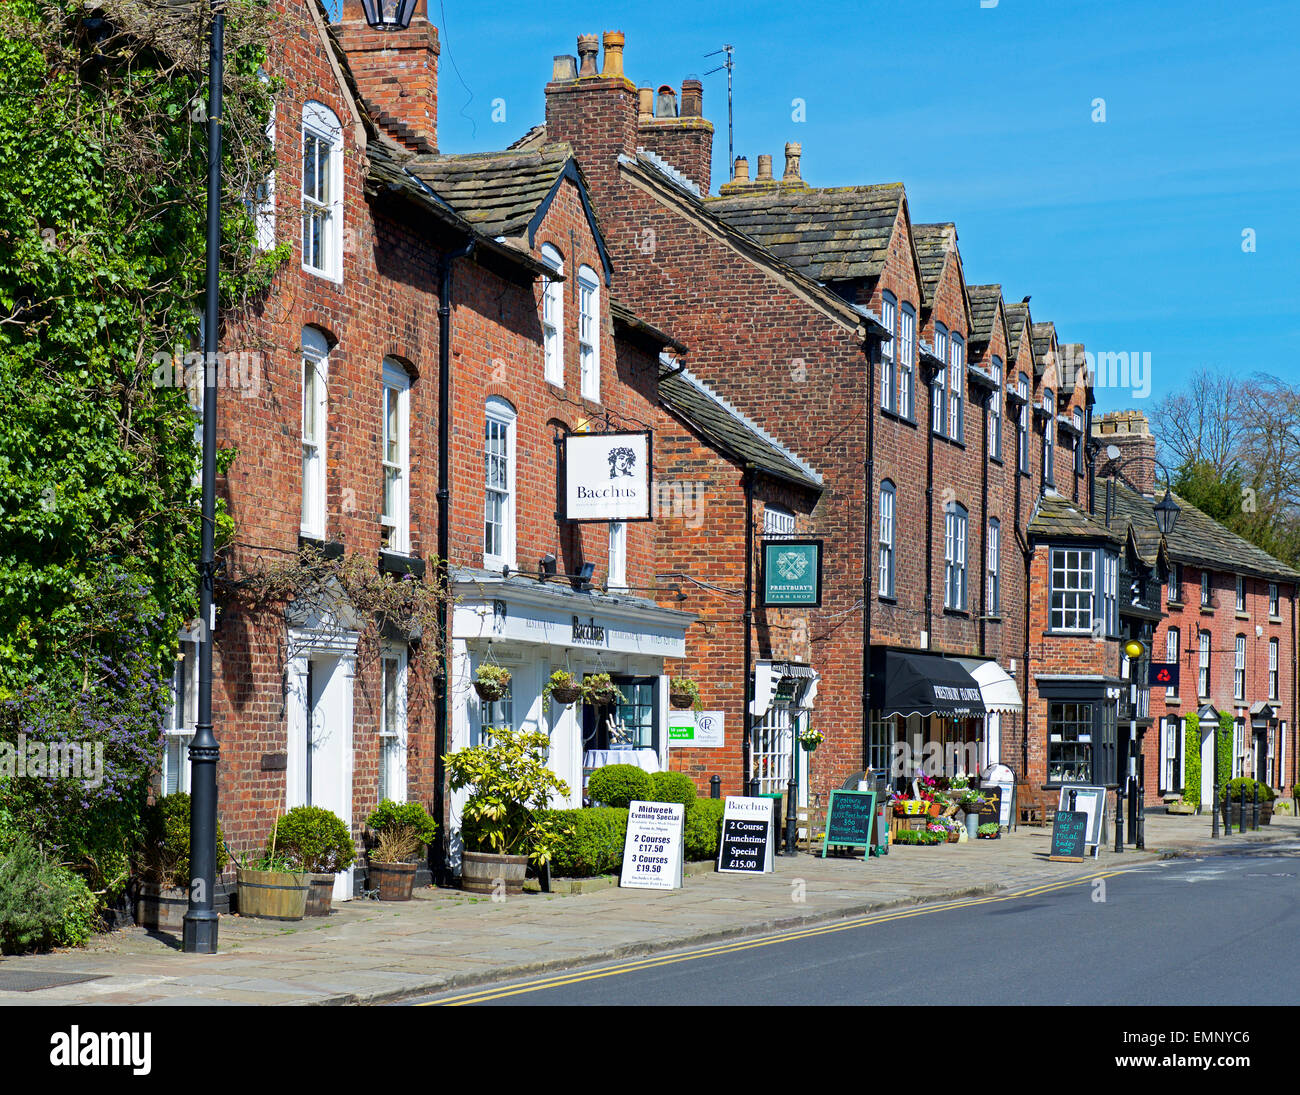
point(489, 691)
point(679, 699)
point(567, 694)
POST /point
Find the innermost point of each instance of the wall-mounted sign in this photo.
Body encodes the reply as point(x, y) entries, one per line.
point(792, 572)
point(746, 843)
point(652, 852)
point(589, 633)
point(607, 476)
point(1163, 675)
point(688, 730)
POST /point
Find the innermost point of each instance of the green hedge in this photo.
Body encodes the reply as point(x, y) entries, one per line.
point(672, 787)
point(594, 836)
point(1192, 755)
point(1234, 788)
point(703, 828)
point(619, 785)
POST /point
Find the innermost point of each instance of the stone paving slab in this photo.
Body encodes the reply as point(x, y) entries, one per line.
point(369, 952)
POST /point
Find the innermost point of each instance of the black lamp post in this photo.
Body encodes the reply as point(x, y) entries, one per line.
point(389, 14)
point(199, 928)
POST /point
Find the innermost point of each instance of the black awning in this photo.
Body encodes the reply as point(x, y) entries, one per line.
point(904, 683)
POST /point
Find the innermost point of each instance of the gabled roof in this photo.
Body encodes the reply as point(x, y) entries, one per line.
point(719, 423)
point(936, 246)
point(1197, 538)
point(1056, 518)
point(832, 234)
point(1018, 318)
point(987, 312)
point(1071, 361)
point(1044, 336)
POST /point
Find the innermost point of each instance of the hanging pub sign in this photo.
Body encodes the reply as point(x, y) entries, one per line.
point(792, 572)
point(1163, 675)
point(607, 476)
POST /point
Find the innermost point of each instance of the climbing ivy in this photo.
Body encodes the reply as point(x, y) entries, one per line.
point(1192, 755)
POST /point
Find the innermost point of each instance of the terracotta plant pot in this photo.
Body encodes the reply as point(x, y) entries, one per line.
point(486, 872)
point(320, 895)
point(568, 695)
point(935, 809)
point(394, 881)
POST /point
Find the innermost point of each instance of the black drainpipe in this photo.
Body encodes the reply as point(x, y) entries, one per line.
point(869, 467)
point(439, 866)
point(749, 785)
point(1022, 541)
point(984, 532)
point(929, 510)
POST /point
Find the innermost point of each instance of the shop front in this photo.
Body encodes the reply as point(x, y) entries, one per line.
point(782, 709)
point(1082, 714)
point(534, 628)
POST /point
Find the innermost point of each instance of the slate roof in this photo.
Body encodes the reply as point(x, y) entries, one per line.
point(983, 311)
point(1056, 518)
point(931, 242)
point(832, 234)
point(1197, 538)
point(1043, 335)
point(719, 423)
point(1070, 360)
point(1017, 314)
point(497, 192)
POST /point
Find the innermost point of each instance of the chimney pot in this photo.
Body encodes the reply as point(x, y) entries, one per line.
point(692, 98)
point(613, 40)
point(666, 105)
point(588, 45)
point(793, 150)
point(741, 172)
point(645, 97)
point(765, 168)
point(564, 68)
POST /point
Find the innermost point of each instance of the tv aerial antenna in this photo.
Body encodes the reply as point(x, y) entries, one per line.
point(728, 64)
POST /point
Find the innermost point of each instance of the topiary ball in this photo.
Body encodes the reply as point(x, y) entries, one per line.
point(672, 787)
point(620, 785)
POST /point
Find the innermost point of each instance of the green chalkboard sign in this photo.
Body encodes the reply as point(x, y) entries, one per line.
point(1069, 836)
point(851, 821)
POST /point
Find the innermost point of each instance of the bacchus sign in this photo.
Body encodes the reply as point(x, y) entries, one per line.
point(607, 476)
point(792, 572)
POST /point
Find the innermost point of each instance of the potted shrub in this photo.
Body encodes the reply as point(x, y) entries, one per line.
point(597, 688)
point(1232, 792)
point(989, 831)
point(563, 686)
point(399, 832)
point(683, 693)
point(509, 786)
point(619, 785)
point(320, 843)
point(272, 887)
point(162, 864)
point(491, 682)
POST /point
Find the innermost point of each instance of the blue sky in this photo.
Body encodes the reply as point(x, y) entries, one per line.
point(1127, 232)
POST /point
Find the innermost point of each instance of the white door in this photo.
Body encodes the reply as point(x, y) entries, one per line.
point(1207, 765)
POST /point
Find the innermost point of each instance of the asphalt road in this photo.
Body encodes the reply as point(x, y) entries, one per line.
point(1208, 930)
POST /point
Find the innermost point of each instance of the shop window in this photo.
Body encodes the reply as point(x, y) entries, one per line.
point(880, 749)
point(632, 725)
point(553, 317)
point(392, 728)
point(888, 314)
point(322, 191)
point(1069, 742)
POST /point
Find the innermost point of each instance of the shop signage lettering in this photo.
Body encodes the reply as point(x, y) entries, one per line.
point(851, 821)
point(1091, 803)
point(792, 572)
point(607, 476)
point(590, 632)
point(1069, 836)
point(689, 730)
point(652, 851)
point(956, 694)
point(746, 844)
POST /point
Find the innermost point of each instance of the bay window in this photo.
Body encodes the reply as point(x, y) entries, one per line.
point(1073, 584)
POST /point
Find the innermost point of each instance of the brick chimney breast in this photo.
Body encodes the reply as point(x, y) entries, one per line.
point(1129, 432)
point(396, 72)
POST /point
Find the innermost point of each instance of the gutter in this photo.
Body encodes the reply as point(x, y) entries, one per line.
point(869, 473)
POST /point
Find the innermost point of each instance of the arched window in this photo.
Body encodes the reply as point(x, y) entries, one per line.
point(322, 191)
point(888, 496)
point(589, 332)
point(954, 557)
point(499, 485)
point(315, 409)
point(888, 317)
point(553, 317)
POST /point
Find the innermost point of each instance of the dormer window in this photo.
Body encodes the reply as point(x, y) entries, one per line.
point(589, 332)
point(888, 315)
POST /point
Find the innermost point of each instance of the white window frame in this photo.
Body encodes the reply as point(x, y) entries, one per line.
point(1203, 664)
point(1241, 593)
point(1049, 439)
point(1239, 667)
point(939, 389)
point(1078, 441)
point(1175, 584)
point(1205, 589)
point(617, 555)
point(1274, 605)
point(1074, 581)
point(994, 596)
point(319, 123)
point(502, 415)
point(1022, 427)
point(906, 362)
point(778, 522)
point(995, 413)
point(261, 203)
point(315, 358)
point(955, 525)
point(1110, 592)
point(182, 715)
point(553, 318)
point(888, 510)
point(393, 741)
point(957, 388)
point(1274, 653)
point(888, 317)
point(1173, 639)
point(395, 527)
point(589, 333)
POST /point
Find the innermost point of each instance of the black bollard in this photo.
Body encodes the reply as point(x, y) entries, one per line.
point(715, 786)
point(1241, 801)
point(1255, 812)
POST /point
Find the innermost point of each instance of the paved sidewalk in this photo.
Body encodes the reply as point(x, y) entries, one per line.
point(372, 952)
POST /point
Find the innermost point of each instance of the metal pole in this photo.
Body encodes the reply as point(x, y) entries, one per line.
point(748, 714)
point(1214, 808)
point(199, 930)
point(1255, 813)
point(715, 786)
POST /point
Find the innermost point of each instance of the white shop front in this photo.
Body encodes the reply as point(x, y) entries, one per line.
point(534, 628)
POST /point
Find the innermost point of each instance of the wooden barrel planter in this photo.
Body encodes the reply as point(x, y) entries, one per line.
point(320, 894)
point(394, 881)
point(1265, 813)
point(479, 872)
point(161, 908)
point(273, 895)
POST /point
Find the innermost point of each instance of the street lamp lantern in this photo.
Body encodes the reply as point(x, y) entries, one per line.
point(1167, 511)
point(389, 14)
point(1134, 649)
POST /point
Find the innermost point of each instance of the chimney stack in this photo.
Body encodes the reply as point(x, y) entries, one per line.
point(645, 103)
point(666, 102)
point(564, 68)
point(692, 98)
point(764, 168)
point(740, 174)
point(396, 73)
point(597, 112)
point(1129, 432)
point(613, 40)
point(678, 133)
point(588, 46)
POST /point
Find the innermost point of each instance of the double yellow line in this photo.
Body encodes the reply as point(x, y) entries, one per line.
point(635, 965)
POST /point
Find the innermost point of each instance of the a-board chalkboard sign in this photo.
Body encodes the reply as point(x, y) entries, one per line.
point(746, 844)
point(990, 811)
point(851, 821)
point(1091, 801)
point(1069, 836)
